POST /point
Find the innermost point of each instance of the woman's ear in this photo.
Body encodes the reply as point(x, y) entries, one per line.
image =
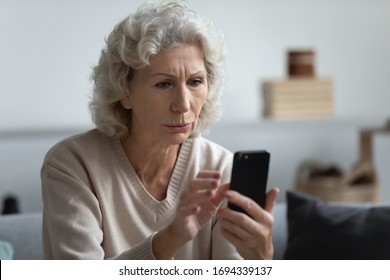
point(126, 102)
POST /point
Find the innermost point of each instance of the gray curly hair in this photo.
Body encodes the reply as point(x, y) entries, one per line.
point(152, 29)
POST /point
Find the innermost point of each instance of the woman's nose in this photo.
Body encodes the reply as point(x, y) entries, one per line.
point(181, 100)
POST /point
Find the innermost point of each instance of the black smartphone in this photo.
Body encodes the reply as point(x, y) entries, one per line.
point(250, 175)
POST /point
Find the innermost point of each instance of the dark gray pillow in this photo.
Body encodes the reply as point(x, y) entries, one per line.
point(322, 231)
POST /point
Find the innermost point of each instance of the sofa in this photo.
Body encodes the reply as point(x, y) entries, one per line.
point(23, 231)
point(304, 228)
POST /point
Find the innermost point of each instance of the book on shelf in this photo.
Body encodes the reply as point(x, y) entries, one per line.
point(298, 98)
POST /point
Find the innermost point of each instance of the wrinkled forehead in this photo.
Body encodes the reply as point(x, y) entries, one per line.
point(177, 61)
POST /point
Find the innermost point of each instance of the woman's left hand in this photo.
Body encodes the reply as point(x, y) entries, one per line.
point(251, 235)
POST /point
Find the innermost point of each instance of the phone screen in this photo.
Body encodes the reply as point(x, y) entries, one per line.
point(250, 175)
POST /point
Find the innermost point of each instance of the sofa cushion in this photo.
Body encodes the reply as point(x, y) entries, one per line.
point(24, 232)
point(323, 231)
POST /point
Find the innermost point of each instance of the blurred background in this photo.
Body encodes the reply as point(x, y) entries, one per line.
point(49, 47)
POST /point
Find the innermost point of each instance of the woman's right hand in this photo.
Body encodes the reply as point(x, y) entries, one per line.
point(198, 204)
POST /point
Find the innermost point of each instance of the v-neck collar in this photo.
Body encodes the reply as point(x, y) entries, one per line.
point(175, 183)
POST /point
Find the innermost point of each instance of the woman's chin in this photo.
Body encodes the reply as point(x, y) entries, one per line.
point(179, 138)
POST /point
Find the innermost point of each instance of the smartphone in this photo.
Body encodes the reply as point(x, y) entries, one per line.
point(250, 175)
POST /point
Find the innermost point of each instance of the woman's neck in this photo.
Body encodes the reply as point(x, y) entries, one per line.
point(153, 164)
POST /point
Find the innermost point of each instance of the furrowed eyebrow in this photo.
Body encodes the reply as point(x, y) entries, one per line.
point(200, 72)
point(163, 74)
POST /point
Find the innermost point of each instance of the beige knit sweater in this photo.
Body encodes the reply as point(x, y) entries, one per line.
point(95, 207)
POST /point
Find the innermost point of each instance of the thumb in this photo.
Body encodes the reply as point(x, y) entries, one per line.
point(270, 199)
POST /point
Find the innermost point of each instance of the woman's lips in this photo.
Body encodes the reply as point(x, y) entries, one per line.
point(178, 128)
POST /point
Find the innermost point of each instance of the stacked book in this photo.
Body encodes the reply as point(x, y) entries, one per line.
point(297, 98)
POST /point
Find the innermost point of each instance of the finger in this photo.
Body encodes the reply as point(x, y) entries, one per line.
point(205, 179)
point(270, 199)
point(197, 198)
point(209, 174)
point(247, 204)
point(185, 211)
point(220, 193)
point(201, 184)
point(215, 197)
point(258, 245)
point(234, 229)
point(232, 238)
point(240, 220)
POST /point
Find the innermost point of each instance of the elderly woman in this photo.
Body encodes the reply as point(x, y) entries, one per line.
point(145, 184)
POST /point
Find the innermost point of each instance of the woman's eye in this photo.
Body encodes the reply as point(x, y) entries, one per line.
point(195, 82)
point(163, 85)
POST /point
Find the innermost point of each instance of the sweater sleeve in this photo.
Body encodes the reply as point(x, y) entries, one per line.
point(72, 220)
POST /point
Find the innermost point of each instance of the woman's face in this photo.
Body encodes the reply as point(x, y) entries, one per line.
point(167, 96)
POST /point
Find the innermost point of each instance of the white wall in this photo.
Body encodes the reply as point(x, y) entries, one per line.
point(48, 48)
